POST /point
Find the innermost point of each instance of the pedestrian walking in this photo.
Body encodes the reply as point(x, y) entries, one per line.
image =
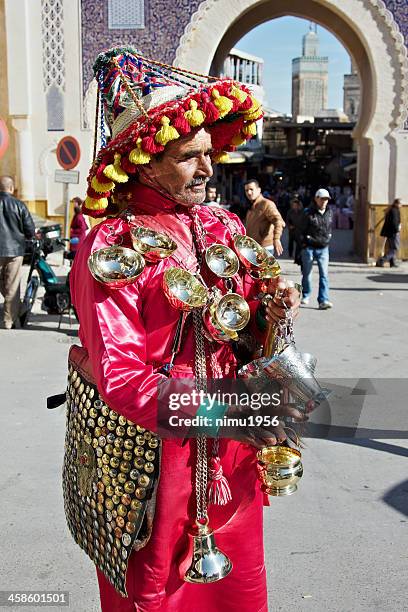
point(391, 232)
point(293, 220)
point(315, 236)
point(78, 229)
point(263, 221)
point(16, 226)
point(144, 492)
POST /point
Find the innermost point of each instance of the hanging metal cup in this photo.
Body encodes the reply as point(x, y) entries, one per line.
point(183, 290)
point(221, 260)
point(153, 245)
point(116, 266)
point(225, 316)
point(279, 470)
point(252, 255)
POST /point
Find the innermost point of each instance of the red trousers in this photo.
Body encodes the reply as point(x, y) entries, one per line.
point(153, 582)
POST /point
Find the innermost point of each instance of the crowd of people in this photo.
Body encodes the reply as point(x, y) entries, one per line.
point(309, 228)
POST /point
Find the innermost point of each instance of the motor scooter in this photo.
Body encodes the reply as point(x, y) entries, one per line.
point(57, 296)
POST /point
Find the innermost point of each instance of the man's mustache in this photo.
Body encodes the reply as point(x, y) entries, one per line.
point(198, 181)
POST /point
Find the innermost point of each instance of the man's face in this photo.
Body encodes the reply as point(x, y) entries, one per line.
point(321, 202)
point(184, 168)
point(252, 191)
point(211, 194)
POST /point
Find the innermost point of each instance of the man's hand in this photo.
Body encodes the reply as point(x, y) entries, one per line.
point(277, 245)
point(290, 296)
point(268, 435)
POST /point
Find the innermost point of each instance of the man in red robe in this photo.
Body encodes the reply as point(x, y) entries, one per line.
point(164, 140)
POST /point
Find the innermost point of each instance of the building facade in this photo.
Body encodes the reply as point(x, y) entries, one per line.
point(46, 88)
point(351, 93)
point(309, 79)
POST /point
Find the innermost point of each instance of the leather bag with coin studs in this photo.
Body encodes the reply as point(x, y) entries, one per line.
point(110, 475)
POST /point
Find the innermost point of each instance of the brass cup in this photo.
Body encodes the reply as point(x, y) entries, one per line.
point(183, 290)
point(252, 255)
point(116, 266)
point(153, 245)
point(224, 317)
point(279, 470)
point(270, 269)
point(221, 260)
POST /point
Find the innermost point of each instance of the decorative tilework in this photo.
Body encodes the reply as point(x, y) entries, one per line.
point(126, 14)
point(399, 8)
point(165, 21)
point(52, 31)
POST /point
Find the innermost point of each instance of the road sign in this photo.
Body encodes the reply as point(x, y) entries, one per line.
point(68, 152)
point(4, 138)
point(67, 176)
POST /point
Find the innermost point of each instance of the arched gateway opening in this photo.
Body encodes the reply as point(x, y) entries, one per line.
point(371, 36)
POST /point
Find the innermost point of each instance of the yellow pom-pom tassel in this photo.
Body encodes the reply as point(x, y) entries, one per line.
point(96, 204)
point(255, 112)
point(250, 129)
point(137, 155)
point(223, 104)
point(167, 132)
point(238, 140)
point(101, 187)
point(194, 116)
point(114, 171)
point(221, 158)
point(238, 93)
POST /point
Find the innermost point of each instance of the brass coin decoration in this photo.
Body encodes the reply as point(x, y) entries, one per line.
point(100, 496)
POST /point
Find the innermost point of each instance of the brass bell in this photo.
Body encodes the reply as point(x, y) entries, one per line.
point(208, 563)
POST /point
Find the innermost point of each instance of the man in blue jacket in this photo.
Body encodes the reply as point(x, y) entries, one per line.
point(315, 236)
point(16, 225)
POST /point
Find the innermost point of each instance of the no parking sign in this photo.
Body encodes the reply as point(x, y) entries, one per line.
point(68, 152)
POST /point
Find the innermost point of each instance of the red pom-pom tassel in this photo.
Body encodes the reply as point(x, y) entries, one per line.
point(149, 144)
point(210, 110)
point(181, 124)
point(127, 165)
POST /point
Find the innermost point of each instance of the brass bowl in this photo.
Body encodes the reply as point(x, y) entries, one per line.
point(223, 318)
point(270, 268)
point(221, 260)
point(252, 255)
point(279, 470)
point(154, 246)
point(116, 266)
point(183, 290)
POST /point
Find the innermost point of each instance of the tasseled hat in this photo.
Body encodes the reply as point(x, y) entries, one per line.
point(146, 104)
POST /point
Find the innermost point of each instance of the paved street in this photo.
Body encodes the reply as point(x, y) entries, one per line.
point(338, 545)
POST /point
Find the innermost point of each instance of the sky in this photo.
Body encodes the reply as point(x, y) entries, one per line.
point(280, 40)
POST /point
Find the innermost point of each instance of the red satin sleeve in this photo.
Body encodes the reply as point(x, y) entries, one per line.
point(112, 331)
